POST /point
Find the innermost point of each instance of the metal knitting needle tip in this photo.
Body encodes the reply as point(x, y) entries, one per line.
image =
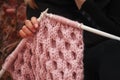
point(46, 10)
point(42, 14)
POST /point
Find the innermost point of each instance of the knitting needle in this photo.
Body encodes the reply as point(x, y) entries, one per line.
point(89, 29)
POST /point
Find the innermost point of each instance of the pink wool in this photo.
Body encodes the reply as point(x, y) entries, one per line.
point(54, 53)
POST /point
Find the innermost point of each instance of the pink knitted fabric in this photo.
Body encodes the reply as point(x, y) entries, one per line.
point(54, 53)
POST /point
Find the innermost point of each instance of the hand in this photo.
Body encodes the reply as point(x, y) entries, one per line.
point(79, 3)
point(29, 28)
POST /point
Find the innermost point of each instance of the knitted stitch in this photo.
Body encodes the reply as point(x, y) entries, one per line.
point(55, 52)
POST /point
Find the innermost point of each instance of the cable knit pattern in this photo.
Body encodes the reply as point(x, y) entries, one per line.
point(54, 53)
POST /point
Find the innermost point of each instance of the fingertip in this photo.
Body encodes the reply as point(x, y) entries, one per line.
point(22, 34)
point(36, 25)
point(35, 22)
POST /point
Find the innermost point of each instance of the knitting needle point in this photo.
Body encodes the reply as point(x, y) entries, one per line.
point(42, 14)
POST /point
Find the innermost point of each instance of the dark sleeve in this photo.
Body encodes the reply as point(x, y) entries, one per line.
point(105, 23)
point(32, 12)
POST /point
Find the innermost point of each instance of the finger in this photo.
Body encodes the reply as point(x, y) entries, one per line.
point(22, 34)
point(30, 25)
point(34, 22)
point(27, 31)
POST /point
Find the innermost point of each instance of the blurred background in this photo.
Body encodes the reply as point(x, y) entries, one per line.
point(12, 16)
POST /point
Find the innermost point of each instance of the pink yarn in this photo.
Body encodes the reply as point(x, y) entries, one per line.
point(54, 53)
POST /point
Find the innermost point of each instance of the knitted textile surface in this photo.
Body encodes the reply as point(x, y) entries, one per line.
point(55, 52)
